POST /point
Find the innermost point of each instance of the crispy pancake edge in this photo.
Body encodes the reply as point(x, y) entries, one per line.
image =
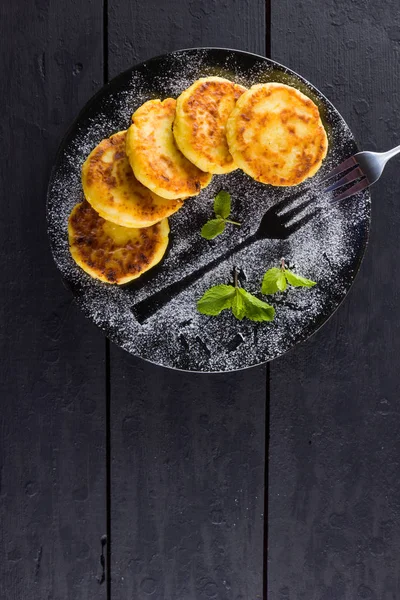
point(151, 172)
point(98, 272)
point(248, 163)
point(100, 195)
point(187, 124)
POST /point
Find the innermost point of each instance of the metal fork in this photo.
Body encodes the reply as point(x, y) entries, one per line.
point(275, 224)
point(366, 167)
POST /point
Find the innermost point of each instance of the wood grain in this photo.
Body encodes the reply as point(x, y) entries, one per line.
point(187, 450)
point(141, 30)
point(52, 490)
point(334, 491)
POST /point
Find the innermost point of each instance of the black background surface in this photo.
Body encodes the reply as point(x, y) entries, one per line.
point(170, 465)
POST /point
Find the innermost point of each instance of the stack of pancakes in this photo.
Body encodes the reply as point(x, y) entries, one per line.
point(134, 180)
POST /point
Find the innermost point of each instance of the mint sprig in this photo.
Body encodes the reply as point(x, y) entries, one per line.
point(297, 280)
point(276, 280)
point(242, 303)
point(222, 204)
point(212, 228)
point(222, 209)
point(216, 299)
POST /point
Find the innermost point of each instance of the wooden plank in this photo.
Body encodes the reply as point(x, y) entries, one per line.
point(334, 455)
point(52, 494)
point(141, 30)
point(187, 450)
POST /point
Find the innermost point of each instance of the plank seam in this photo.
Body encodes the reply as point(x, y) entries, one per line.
point(107, 358)
point(108, 464)
point(105, 41)
point(268, 28)
point(268, 372)
point(266, 481)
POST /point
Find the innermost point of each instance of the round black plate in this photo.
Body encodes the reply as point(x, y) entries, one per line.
point(328, 249)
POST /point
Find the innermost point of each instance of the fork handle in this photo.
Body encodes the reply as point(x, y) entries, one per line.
point(146, 308)
point(391, 153)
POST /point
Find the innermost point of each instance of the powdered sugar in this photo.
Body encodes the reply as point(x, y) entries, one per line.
point(327, 249)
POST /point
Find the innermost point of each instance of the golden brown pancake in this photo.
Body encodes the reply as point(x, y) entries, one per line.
point(199, 127)
point(114, 192)
point(154, 156)
point(112, 253)
point(275, 134)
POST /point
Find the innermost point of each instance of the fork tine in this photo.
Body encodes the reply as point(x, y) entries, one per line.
point(346, 164)
point(354, 174)
point(358, 187)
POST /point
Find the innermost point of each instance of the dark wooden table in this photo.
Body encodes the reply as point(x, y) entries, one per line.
point(126, 481)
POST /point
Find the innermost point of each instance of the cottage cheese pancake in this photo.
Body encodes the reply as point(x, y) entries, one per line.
point(112, 253)
point(154, 156)
point(199, 127)
point(114, 192)
point(275, 134)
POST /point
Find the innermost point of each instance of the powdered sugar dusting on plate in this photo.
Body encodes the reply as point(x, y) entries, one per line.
point(328, 249)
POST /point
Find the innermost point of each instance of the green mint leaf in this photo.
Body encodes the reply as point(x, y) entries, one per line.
point(216, 299)
point(212, 228)
point(222, 204)
point(273, 281)
point(298, 280)
point(238, 307)
point(281, 282)
point(255, 309)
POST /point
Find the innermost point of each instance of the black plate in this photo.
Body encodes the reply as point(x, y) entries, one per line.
point(329, 249)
